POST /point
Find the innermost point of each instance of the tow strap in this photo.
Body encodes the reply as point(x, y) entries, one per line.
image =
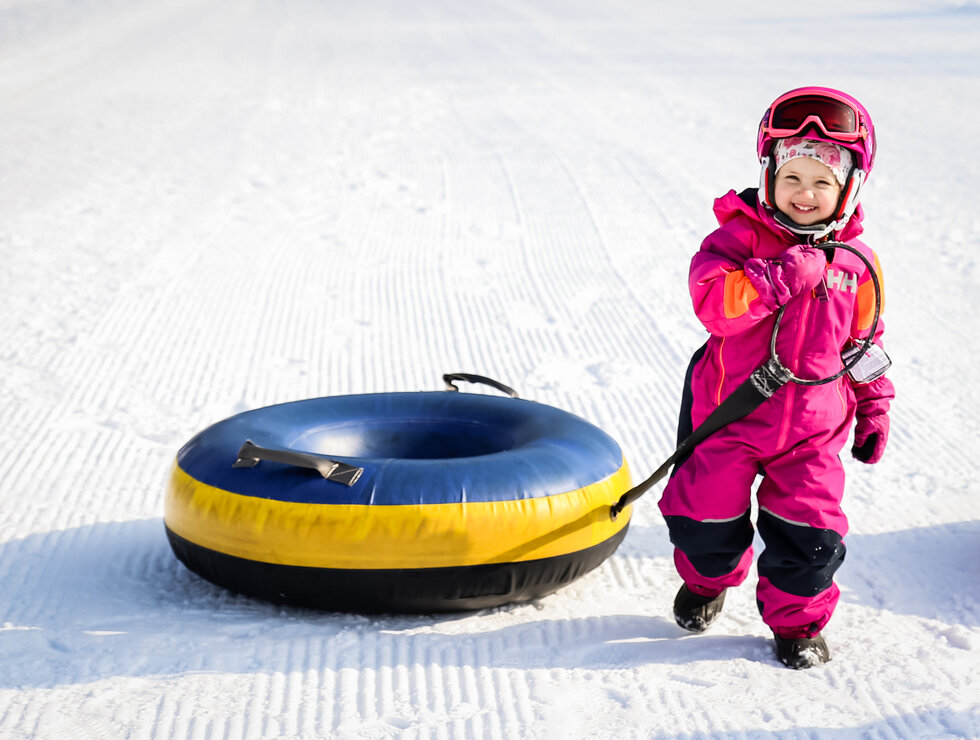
point(764, 381)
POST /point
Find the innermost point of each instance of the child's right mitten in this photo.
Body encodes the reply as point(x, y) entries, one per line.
point(796, 270)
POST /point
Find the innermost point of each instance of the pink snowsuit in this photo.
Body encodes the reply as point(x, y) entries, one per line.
point(793, 439)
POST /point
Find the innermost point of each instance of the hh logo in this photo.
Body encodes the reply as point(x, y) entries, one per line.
point(842, 280)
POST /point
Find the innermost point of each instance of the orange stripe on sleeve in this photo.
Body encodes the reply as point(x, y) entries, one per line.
point(739, 293)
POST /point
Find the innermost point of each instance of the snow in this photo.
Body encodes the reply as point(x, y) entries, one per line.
point(210, 206)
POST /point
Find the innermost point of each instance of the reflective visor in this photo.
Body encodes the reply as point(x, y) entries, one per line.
point(835, 118)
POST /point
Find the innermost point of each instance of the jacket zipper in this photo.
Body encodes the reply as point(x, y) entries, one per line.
point(791, 388)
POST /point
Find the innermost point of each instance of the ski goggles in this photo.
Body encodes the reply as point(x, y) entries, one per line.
point(837, 119)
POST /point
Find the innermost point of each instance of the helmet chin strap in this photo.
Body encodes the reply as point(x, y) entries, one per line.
point(813, 232)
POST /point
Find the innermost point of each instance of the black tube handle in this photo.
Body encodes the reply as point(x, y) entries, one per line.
point(448, 378)
point(250, 454)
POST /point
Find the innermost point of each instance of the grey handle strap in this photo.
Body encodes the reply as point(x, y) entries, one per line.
point(760, 385)
point(250, 454)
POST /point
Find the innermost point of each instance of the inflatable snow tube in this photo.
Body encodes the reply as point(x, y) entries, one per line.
point(397, 502)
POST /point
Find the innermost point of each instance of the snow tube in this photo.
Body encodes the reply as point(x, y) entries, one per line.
point(397, 502)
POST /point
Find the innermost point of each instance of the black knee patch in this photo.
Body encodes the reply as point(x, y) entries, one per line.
point(714, 548)
point(798, 559)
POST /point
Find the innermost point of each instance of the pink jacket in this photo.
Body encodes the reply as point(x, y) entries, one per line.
point(736, 303)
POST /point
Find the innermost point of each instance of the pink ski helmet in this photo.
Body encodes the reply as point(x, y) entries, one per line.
point(824, 114)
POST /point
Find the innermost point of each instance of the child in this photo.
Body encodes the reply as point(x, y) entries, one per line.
point(816, 147)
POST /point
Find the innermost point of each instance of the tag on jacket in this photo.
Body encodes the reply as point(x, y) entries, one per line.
point(870, 367)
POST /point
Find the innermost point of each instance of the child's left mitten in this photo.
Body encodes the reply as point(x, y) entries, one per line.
point(796, 270)
point(799, 269)
point(870, 438)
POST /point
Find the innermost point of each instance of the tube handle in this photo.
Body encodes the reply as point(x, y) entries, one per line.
point(250, 454)
point(448, 378)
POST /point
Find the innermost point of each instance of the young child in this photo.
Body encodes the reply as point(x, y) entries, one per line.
point(816, 147)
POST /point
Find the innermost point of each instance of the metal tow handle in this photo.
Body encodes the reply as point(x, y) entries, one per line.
point(250, 454)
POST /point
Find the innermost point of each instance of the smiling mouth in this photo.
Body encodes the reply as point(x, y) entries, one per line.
point(804, 209)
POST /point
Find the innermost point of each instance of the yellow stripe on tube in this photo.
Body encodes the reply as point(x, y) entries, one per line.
point(386, 537)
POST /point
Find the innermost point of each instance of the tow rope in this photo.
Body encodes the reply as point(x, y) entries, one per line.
point(761, 384)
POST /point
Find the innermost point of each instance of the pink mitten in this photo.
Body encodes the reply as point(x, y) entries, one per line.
point(800, 269)
point(796, 270)
point(870, 438)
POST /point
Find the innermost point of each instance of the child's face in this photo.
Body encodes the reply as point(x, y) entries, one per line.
point(806, 191)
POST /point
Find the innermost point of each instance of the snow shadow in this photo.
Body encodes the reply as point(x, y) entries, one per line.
point(110, 599)
point(931, 572)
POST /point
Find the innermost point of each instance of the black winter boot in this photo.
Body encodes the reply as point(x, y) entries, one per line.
point(802, 652)
point(695, 613)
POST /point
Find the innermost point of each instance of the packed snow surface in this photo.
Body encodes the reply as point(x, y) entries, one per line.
point(214, 205)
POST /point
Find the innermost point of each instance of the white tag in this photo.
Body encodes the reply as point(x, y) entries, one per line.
point(870, 367)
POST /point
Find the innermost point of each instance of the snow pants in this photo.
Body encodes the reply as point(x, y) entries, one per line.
point(707, 507)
